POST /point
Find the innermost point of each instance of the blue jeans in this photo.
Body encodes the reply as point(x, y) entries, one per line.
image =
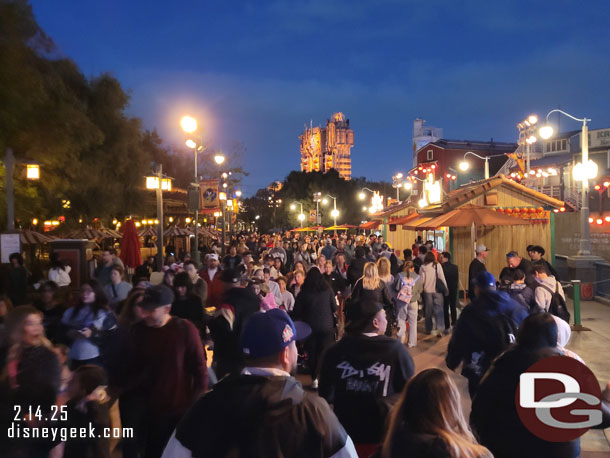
point(434, 307)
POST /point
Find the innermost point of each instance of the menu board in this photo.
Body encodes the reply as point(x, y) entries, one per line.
point(9, 244)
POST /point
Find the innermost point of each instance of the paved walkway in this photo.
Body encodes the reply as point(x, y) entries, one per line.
point(592, 346)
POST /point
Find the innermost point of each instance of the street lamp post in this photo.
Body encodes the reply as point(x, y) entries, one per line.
point(158, 183)
point(334, 213)
point(464, 165)
point(301, 216)
point(189, 125)
point(33, 173)
point(317, 197)
point(584, 171)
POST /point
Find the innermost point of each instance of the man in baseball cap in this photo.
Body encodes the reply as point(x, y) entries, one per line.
point(476, 267)
point(265, 409)
point(166, 372)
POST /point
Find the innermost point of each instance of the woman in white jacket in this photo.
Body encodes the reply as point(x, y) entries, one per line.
point(430, 271)
point(59, 273)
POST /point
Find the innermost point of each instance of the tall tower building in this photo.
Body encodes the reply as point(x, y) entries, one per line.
point(325, 148)
point(422, 135)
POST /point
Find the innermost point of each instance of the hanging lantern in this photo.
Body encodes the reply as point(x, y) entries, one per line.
point(509, 211)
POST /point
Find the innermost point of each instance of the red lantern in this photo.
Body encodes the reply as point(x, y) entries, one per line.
point(509, 211)
point(493, 209)
point(532, 210)
point(540, 209)
point(517, 210)
point(501, 210)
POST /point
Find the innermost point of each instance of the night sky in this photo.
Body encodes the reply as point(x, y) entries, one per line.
point(256, 72)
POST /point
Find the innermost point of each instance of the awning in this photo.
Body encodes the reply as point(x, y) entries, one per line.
point(341, 227)
point(418, 223)
point(370, 225)
point(403, 219)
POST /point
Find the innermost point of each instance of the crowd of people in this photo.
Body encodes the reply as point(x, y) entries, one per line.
point(343, 309)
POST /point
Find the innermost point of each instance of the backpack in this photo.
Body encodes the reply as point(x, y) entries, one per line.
point(558, 304)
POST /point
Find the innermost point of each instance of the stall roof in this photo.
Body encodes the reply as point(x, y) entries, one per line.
point(466, 193)
point(391, 210)
point(370, 225)
point(418, 223)
point(403, 219)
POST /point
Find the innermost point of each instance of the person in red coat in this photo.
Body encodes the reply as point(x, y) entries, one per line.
point(211, 275)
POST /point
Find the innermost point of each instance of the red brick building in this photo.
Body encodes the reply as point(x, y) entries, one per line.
point(442, 158)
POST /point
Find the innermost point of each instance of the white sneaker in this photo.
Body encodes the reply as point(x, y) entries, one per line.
point(314, 384)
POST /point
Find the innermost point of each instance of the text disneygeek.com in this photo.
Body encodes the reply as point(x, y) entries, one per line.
point(20, 431)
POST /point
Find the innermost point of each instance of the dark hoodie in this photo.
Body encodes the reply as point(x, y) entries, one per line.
point(260, 416)
point(482, 332)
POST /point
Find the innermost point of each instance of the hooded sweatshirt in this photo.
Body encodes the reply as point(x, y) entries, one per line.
point(542, 296)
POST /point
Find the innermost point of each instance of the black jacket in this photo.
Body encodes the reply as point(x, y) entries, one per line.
point(550, 270)
point(362, 378)
point(381, 294)
point(237, 305)
point(317, 309)
point(494, 414)
point(189, 308)
point(451, 277)
point(475, 268)
point(260, 416)
point(416, 445)
point(355, 270)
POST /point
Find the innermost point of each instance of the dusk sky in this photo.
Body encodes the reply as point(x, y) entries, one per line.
point(257, 71)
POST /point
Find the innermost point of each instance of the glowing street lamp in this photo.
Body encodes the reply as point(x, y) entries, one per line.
point(584, 171)
point(334, 213)
point(188, 124)
point(219, 159)
point(32, 171)
point(301, 216)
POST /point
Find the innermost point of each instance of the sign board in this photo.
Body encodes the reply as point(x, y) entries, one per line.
point(9, 244)
point(209, 194)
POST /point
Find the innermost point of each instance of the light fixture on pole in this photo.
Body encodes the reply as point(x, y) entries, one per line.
point(317, 198)
point(334, 213)
point(584, 171)
point(190, 126)
point(159, 184)
point(398, 182)
point(464, 165)
point(301, 216)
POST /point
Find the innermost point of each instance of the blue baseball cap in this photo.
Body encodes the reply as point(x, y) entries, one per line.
point(268, 333)
point(485, 280)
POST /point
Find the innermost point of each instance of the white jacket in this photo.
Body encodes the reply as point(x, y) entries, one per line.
point(60, 276)
point(426, 272)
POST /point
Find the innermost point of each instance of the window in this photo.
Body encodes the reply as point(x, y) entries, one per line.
point(564, 144)
point(554, 146)
point(430, 155)
point(548, 147)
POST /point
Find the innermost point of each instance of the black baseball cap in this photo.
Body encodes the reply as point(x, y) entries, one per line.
point(156, 296)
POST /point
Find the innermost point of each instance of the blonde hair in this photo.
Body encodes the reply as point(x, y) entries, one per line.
point(430, 404)
point(384, 267)
point(370, 277)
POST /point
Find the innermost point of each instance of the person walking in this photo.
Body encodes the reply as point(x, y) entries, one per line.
point(372, 287)
point(362, 375)
point(167, 371)
point(58, 271)
point(356, 267)
point(316, 306)
point(429, 421)
point(262, 411)
point(476, 267)
point(86, 322)
point(434, 290)
point(452, 278)
point(408, 295)
point(117, 290)
point(199, 286)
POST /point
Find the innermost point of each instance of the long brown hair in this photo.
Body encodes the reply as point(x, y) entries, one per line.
point(430, 404)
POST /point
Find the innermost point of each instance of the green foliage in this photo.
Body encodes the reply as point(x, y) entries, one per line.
point(300, 187)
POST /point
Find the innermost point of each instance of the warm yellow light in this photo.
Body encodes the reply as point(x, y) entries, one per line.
point(532, 139)
point(334, 213)
point(238, 193)
point(408, 185)
point(55, 223)
point(324, 201)
point(171, 219)
point(32, 172)
point(188, 124)
point(293, 207)
point(533, 119)
point(80, 220)
point(361, 196)
point(144, 222)
point(464, 165)
point(187, 220)
point(34, 222)
point(222, 195)
point(150, 221)
point(225, 185)
point(118, 224)
point(219, 159)
point(156, 221)
point(114, 221)
point(301, 217)
point(138, 224)
point(422, 203)
point(152, 182)
point(191, 144)
point(166, 184)
point(399, 176)
point(229, 202)
point(585, 172)
point(546, 132)
point(225, 175)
